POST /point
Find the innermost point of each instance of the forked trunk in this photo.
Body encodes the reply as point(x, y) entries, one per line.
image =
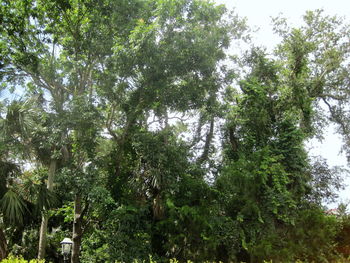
point(45, 218)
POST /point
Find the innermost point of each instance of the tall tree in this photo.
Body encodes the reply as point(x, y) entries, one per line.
point(78, 56)
point(277, 109)
point(315, 58)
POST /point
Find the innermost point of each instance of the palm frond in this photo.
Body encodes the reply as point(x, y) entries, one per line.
point(13, 207)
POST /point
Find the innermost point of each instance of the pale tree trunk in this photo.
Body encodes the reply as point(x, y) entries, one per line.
point(77, 229)
point(45, 218)
point(3, 245)
point(208, 140)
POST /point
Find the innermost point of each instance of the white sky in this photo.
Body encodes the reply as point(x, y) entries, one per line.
point(259, 13)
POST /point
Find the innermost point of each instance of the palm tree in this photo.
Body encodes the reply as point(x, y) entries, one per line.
point(20, 197)
point(19, 131)
point(12, 206)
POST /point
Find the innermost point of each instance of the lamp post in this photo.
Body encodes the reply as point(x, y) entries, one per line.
point(66, 248)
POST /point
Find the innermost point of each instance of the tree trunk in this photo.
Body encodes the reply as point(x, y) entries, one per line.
point(209, 138)
point(77, 229)
point(45, 218)
point(3, 245)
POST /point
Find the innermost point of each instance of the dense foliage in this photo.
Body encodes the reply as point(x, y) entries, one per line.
point(139, 130)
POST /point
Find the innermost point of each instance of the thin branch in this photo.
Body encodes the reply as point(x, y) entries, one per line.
point(335, 97)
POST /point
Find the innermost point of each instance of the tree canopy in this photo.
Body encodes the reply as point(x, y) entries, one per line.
point(140, 130)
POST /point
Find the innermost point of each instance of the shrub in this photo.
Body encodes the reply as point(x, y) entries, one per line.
point(13, 259)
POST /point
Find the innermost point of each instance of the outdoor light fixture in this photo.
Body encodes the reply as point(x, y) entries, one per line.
point(66, 248)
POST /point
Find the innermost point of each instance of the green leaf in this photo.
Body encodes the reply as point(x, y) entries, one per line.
point(13, 207)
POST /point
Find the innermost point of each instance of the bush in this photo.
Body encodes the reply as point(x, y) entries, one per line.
point(13, 259)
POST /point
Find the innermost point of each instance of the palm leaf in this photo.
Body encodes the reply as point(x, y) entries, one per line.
point(13, 207)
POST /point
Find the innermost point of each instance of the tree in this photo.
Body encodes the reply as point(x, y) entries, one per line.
point(123, 103)
point(62, 54)
point(268, 121)
point(316, 67)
